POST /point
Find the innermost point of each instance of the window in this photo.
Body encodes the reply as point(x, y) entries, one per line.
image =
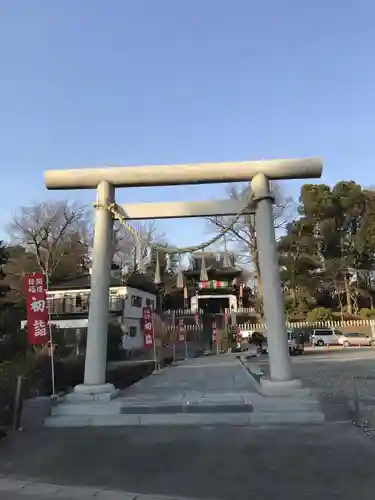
point(136, 301)
point(150, 303)
point(132, 331)
point(323, 332)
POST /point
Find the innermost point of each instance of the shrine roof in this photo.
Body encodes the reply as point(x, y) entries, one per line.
point(83, 282)
point(215, 272)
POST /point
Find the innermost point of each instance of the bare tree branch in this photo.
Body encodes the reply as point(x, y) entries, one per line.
point(125, 242)
point(243, 235)
point(54, 232)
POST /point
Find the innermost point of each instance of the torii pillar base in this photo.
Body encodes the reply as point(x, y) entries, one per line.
point(100, 392)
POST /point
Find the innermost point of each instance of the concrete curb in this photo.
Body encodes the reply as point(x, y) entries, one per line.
point(252, 375)
point(299, 407)
point(45, 490)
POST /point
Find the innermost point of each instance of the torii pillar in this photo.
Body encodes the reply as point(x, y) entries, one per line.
point(105, 180)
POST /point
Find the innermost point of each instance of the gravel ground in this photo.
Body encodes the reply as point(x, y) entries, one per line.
point(345, 381)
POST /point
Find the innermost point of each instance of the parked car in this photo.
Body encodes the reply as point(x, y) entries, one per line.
point(354, 339)
point(295, 342)
point(325, 336)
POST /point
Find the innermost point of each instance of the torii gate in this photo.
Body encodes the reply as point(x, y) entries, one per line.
point(105, 180)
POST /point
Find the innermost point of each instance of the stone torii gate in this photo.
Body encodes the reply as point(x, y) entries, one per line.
point(105, 180)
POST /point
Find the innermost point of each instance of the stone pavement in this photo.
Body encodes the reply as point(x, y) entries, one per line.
point(209, 390)
point(11, 489)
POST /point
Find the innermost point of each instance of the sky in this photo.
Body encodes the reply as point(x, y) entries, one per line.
point(88, 83)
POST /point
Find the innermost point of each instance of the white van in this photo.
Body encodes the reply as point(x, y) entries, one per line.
point(325, 336)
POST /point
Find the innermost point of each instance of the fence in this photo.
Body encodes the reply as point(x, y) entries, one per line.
point(194, 320)
point(361, 326)
point(198, 327)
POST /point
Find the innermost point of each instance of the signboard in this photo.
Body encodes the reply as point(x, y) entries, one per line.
point(147, 327)
point(37, 309)
point(213, 284)
point(181, 330)
point(214, 332)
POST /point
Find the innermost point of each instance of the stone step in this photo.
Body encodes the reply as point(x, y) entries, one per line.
point(274, 405)
point(187, 419)
point(285, 417)
point(116, 408)
point(172, 419)
point(89, 409)
point(196, 408)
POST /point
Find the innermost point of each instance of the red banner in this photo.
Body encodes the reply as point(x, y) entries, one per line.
point(147, 327)
point(238, 335)
point(36, 308)
point(214, 332)
point(181, 330)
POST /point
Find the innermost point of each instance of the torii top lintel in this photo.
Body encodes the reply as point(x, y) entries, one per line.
point(170, 175)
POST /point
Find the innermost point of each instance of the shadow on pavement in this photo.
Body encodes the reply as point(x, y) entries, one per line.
point(325, 461)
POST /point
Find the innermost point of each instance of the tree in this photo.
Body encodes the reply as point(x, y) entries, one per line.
point(10, 316)
point(242, 237)
point(4, 287)
point(298, 265)
point(57, 234)
point(341, 222)
point(131, 247)
point(19, 263)
point(135, 249)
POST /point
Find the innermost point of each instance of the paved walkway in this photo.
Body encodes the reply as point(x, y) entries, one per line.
point(207, 390)
point(210, 378)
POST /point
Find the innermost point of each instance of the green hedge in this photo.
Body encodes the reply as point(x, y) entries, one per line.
point(36, 372)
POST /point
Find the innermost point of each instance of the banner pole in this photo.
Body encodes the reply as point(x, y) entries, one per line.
point(52, 353)
point(174, 333)
point(154, 338)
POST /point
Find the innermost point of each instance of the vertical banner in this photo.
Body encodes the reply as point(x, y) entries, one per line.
point(148, 327)
point(37, 309)
point(238, 335)
point(214, 332)
point(181, 330)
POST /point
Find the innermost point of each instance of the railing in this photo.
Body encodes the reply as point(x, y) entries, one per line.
point(182, 312)
point(352, 324)
point(190, 312)
point(74, 306)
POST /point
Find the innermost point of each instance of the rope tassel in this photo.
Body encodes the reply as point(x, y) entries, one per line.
point(180, 279)
point(157, 279)
point(226, 260)
point(204, 275)
point(180, 275)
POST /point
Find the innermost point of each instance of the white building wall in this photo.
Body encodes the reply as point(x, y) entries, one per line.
point(134, 301)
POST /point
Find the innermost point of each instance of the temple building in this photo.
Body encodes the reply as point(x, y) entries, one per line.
point(211, 284)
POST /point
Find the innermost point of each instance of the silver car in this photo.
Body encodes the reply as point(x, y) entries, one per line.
point(355, 339)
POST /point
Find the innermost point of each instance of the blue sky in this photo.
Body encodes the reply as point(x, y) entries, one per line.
point(132, 82)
